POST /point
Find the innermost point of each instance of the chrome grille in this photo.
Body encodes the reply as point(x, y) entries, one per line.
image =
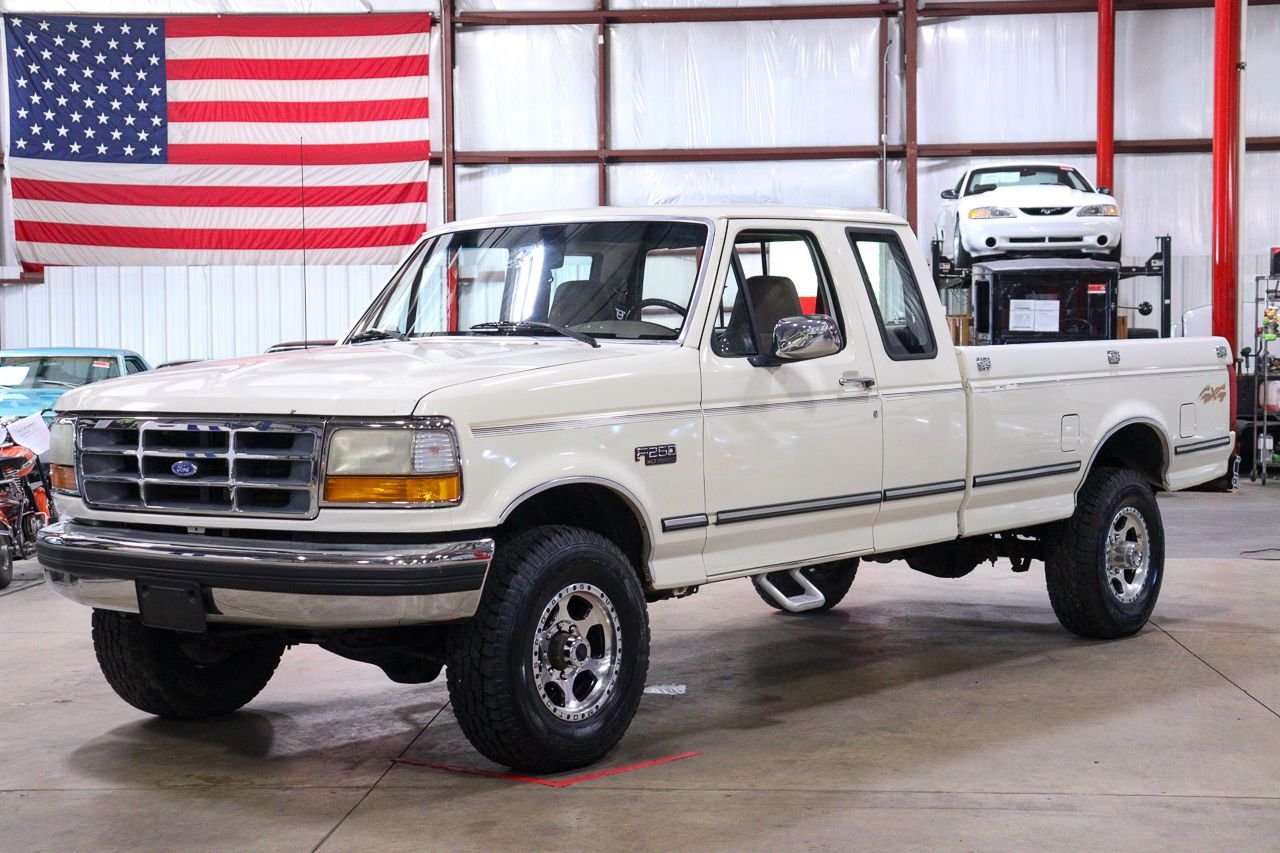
point(206, 467)
point(1045, 211)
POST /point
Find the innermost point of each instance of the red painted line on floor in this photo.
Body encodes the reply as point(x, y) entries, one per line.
point(549, 783)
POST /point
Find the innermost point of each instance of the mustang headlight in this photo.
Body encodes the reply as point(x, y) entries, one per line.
point(62, 456)
point(394, 464)
point(991, 213)
point(1099, 210)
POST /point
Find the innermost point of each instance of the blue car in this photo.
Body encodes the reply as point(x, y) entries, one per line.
point(32, 380)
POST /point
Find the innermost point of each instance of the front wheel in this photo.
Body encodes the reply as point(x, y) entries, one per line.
point(180, 676)
point(548, 674)
point(1105, 566)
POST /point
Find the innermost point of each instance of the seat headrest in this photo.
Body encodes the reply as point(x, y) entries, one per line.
point(580, 301)
point(772, 298)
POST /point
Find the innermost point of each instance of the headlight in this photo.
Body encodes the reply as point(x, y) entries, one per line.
point(62, 456)
point(1099, 210)
point(393, 464)
point(991, 213)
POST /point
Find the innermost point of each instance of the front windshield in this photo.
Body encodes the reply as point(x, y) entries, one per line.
point(983, 180)
point(613, 280)
point(48, 371)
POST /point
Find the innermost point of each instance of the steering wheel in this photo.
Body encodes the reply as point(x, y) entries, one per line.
point(634, 313)
point(1079, 324)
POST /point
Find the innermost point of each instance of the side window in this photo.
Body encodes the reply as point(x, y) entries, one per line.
point(773, 274)
point(133, 365)
point(895, 296)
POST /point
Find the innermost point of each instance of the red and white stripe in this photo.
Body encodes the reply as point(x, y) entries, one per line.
point(257, 106)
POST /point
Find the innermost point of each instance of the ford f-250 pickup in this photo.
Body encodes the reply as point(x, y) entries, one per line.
point(544, 422)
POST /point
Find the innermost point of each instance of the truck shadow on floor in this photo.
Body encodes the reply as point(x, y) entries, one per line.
point(952, 679)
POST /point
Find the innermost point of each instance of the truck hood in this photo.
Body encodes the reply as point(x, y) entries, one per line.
point(379, 380)
point(27, 401)
point(1042, 196)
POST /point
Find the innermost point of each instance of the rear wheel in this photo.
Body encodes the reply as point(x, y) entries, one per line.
point(832, 580)
point(548, 674)
point(1105, 566)
point(180, 676)
point(6, 564)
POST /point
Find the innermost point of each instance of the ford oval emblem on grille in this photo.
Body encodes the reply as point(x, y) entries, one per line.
point(183, 468)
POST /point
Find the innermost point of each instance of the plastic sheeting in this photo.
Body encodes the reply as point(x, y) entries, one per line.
point(1262, 81)
point(839, 183)
point(493, 190)
point(1164, 79)
point(745, 84)
point(1021, 78)
point(526, 88)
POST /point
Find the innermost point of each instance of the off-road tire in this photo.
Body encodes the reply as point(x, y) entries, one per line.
point(832, 580)
point(6, 564)
point(1076, 558)
point(148, 668)
point(492, 677)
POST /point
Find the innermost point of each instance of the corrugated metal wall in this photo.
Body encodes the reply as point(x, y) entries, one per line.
point(168, 313)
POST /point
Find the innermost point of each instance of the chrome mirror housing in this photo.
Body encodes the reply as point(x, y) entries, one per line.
point(800, 338)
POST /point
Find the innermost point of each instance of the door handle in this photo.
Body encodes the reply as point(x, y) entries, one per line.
point(854, 379)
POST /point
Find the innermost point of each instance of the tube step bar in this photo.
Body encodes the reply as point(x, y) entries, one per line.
point(810, 598)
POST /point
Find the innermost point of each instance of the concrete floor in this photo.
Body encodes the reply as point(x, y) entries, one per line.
point(920, 714)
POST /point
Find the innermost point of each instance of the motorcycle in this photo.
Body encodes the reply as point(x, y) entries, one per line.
point(25, 503)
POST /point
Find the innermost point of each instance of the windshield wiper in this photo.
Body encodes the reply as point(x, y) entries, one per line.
point(378, 335)
point(535, 325)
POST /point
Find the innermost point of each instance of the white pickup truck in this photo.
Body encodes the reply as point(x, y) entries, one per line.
point(544, 422)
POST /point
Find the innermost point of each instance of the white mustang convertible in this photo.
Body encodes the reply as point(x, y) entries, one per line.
point(1027, 209)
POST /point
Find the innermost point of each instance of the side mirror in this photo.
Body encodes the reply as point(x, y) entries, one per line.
point(1105, 190)
point(949, 194)
point(802, 338)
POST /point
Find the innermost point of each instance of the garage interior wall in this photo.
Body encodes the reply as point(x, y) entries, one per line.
point(740, 84)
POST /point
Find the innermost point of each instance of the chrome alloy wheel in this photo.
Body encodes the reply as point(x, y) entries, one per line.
point(1128, 557)
point(577, 646)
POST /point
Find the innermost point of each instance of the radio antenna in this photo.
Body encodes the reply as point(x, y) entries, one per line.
point(302, 189)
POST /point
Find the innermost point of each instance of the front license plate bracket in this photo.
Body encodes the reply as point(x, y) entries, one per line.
point(172, 605)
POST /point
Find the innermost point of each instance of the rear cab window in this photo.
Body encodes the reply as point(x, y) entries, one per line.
point(894, 294)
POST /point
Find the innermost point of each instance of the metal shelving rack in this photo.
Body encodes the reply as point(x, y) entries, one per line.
point(1266, 347)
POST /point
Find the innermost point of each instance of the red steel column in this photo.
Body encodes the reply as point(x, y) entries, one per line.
point(1226, 168)
point(909, 106)
point(450, 149)
point(1106, 161)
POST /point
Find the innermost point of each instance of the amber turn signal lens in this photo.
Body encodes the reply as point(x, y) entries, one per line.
point(63, 477)
point(347, 489)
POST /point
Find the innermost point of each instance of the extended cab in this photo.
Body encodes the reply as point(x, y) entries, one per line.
point(544, 422)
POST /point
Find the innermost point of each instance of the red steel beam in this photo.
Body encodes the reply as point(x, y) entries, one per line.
point(933, 151)
point(676, 16)
point(1106, 129)
point(975, 8)
point(1226, 169)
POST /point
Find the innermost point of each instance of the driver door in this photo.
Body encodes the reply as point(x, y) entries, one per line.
point(792, 451)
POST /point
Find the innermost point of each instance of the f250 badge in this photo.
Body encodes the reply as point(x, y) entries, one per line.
point(1212, 393)
point(657, 454)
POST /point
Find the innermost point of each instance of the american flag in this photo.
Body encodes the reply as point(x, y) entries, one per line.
point(217, 139)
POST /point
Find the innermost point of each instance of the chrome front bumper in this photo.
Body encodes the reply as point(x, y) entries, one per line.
point(271, 582)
